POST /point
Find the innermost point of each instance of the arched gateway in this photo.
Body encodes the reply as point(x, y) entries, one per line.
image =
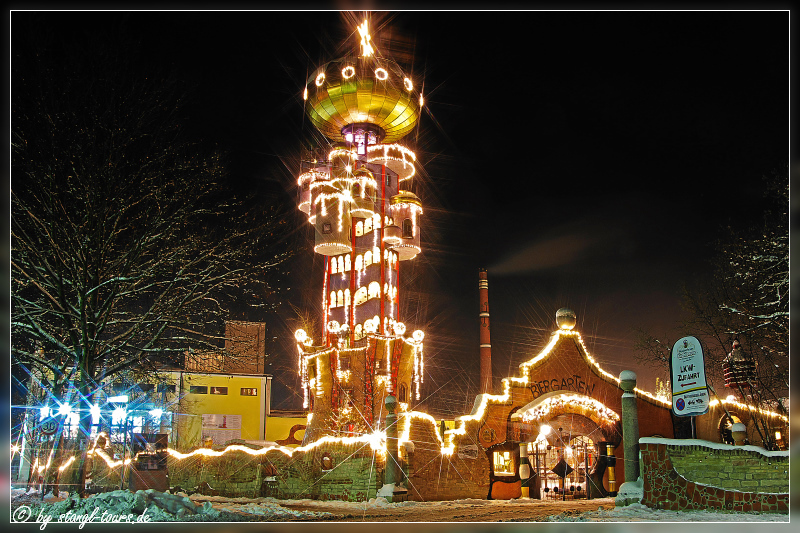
point(563, 410)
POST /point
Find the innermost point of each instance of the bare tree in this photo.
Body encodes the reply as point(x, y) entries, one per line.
point(746, 298)
point(127, 249)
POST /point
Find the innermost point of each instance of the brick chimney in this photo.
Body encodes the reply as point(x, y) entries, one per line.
point(486, 345)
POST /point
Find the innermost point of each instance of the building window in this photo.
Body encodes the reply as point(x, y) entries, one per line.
point(248, 391)
point(388, 180)
point(359, 229)
point(327, 461)
point(374, 289)
point(503, 464)
point(223, 391)
point(725, 425)
point(326, 227)
point(344, 362)
point(361, 296)
point(163, 387)
point(198, 389)
point(401, 396)
point(408, 229)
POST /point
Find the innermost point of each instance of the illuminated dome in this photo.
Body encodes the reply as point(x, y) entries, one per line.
point(565, 318)
point(405, 197)
point(357, 90)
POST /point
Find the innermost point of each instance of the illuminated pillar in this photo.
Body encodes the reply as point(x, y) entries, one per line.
point(486, 343)
point(612, 462)
point(524, 469)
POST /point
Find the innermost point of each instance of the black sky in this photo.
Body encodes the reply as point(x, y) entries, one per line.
point(587, 159)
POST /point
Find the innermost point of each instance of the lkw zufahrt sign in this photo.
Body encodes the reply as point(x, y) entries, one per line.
point(688, 371)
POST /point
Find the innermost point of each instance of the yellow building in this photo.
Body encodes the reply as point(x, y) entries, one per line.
point(215, 408)
point(212, 409)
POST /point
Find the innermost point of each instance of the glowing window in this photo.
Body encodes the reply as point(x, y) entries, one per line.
point(359, 229)
point(374, 289)
point(333, 298)
point(340, 298)
point(347, 263)
point(376, 254)
point(376, 220)
point(361, 296)
point(347, 297)
point(358, 331)
point(367, 258)
point(503, 464)
point(368, 225)
point(408, 229)
point(341, 263)
point(333, 265)
point(359, 262)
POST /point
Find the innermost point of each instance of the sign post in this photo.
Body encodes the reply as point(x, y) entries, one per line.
point(688, 374)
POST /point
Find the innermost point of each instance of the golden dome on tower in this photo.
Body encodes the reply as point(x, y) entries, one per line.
point(362, 90)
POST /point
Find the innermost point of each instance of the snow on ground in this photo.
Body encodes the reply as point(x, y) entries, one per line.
point(164, 507)
point(641, 513)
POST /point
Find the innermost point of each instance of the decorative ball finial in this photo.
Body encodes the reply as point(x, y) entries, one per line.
point(627, 380)
point(565, 318)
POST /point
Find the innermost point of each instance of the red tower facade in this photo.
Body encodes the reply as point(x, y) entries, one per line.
point(366, 219)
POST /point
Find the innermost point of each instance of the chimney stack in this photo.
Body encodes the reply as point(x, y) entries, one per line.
point(486, 345)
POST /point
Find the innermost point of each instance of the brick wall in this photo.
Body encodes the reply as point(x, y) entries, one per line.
point(689, 474)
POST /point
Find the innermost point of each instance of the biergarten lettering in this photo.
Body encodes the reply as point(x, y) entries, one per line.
point(573, 383)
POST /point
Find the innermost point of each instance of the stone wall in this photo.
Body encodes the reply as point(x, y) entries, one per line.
point(433, 476)
point(693, 474)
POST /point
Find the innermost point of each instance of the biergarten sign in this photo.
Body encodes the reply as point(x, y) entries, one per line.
point(688, 371)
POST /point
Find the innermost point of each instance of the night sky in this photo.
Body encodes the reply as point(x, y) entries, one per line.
point(587, 159)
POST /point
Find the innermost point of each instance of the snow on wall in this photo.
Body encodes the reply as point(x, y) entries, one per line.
point(723, 477)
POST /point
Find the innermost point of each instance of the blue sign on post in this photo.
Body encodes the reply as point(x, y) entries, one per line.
point(688, 373)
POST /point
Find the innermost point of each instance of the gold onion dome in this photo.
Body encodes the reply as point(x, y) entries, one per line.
point(358, 90)
point(405, 197)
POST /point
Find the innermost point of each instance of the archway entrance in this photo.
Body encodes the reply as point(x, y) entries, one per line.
point(567, 438)
point(562, 470)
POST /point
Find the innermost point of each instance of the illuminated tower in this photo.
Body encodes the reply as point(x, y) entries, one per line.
point(366, 222)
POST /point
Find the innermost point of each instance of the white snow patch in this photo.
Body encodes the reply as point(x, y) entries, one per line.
point(713, 445)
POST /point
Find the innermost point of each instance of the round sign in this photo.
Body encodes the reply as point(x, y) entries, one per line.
point(49, 426)
point(679, 404)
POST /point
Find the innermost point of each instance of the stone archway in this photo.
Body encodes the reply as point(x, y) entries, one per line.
point(580, 429)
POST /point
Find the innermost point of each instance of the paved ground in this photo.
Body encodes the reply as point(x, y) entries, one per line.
point(456, 511)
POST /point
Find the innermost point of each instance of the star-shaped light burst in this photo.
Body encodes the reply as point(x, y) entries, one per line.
point(366, 47)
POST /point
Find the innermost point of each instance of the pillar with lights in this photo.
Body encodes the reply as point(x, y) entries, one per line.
point(366, 219)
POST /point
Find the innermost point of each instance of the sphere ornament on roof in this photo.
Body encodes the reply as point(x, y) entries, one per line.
point(565, 318)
